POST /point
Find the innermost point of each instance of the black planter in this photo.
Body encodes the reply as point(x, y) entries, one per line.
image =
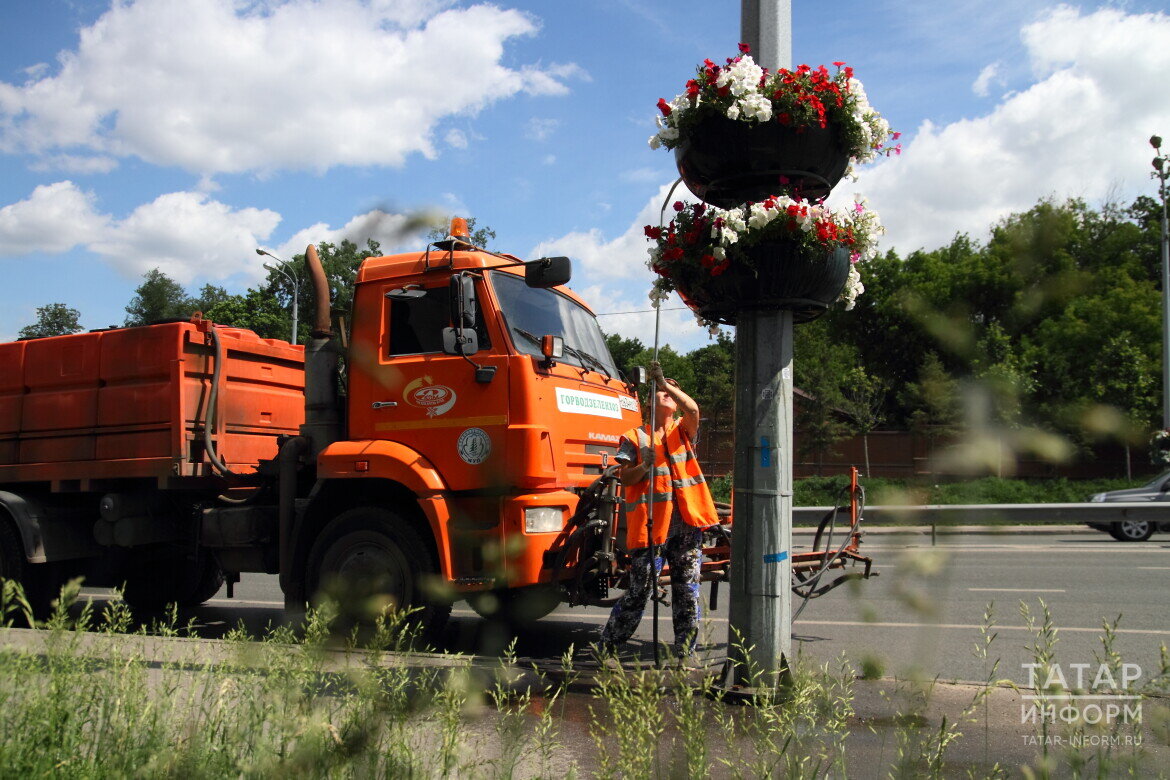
point(780, 276)
point(727, 163)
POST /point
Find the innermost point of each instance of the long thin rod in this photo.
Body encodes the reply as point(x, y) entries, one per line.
point(650, 505)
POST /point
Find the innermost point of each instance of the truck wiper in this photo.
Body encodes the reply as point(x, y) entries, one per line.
point(589, 359)
point(534, 339)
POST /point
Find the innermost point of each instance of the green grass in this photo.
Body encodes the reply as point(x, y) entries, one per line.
point(88, 700)
point(824, 491)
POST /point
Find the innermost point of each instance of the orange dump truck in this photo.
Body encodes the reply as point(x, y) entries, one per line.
point(456, 445)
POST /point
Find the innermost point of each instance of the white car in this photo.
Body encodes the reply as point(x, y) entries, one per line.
point(1157, 489)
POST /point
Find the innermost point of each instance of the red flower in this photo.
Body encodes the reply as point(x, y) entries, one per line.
point(745, 49)
point(674, 253)
point(720, 268)
point(678, 205)
point(692, 88)
point(654, 233)
point(838, 64)
point(707, 260)
point(664, 107)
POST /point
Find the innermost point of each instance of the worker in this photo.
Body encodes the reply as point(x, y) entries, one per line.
point(682, 509)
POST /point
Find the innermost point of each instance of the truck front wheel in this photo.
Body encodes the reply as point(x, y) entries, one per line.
point(368, 561)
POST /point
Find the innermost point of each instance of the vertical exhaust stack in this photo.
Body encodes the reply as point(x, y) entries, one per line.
point(322, 405)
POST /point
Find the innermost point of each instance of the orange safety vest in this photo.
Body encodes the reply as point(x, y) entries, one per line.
point(676, 478)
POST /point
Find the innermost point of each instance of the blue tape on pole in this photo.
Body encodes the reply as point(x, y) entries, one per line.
point(776, 557)
point(765, 453)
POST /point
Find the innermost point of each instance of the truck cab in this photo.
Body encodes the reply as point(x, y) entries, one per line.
point(480, 390)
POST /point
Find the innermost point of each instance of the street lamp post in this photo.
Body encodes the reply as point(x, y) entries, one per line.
point(1162, 173)
point(284, 268)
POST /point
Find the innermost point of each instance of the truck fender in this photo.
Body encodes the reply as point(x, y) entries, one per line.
point(388, 461)
point(26, 515)
point(380, 460)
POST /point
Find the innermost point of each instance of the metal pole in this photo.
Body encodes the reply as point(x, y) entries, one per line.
point(296, 287)
point(760, 619)
point(1161, 173)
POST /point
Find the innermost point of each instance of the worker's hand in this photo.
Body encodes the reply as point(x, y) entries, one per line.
point(656, 373)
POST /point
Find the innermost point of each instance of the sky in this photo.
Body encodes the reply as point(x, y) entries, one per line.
point(183, 134)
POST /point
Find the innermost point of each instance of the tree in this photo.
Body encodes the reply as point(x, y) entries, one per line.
point(624, 351)
point(255, 310)
point(54, 319)
point(863, 400)
point(820, 368)
point(157, 299)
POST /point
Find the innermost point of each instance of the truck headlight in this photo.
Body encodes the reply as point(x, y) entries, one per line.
point(544, 519)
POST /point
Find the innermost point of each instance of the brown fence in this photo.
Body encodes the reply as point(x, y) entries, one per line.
point(901, 454)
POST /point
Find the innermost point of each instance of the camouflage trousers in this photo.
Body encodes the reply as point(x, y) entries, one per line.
point(683, 551)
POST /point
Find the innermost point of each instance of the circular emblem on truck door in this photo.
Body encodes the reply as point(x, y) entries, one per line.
point(474, 446)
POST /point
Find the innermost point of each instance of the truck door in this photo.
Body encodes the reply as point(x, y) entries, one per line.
point(430, 401)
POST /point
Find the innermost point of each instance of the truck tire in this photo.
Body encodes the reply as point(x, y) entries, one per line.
point(176, 578)
point(368, 560)
point(36, 579)
point(517, 606)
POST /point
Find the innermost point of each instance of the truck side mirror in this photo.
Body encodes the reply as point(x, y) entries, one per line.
point(548, 272)
point(463, 302)
point(640, 375)
point(460, 341)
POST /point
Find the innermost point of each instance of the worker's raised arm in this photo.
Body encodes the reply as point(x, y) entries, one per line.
point(686, 405)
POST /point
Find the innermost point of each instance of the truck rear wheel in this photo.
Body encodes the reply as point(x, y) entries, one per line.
point(36, 579)
point(367, 561)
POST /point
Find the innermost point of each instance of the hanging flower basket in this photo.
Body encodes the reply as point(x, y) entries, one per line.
point(781, 253)
point(726, 162)
point(772, 277)
point(741, 133)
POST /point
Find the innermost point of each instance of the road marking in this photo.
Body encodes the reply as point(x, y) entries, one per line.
point(1153, 568)
point(1017, 590)
point(565, 617)
point(246, 602)
point(1094, 630)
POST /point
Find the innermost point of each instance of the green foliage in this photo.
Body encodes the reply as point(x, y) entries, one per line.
point(830, 490)
point(157, 299)
point(53, 319)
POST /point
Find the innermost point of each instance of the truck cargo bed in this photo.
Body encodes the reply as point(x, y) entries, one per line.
point(133, 403)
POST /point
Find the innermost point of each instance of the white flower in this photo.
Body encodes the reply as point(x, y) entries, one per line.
point(756, 106)
point(733, 111)
point(668, 133)
point(655, 142)
point(853, 288)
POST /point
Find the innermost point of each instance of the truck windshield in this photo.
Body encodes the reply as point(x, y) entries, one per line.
point(531, 313)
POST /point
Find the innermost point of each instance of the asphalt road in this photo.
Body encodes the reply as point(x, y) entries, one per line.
point(922, 615)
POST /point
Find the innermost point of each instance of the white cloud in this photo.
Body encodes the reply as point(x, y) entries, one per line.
point(540, 129)
point(54, 218)
point(221, 86)
point(1080, 130)
point(186, 235)
point(457, 139)
point(611, 275)
point(987, 77)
